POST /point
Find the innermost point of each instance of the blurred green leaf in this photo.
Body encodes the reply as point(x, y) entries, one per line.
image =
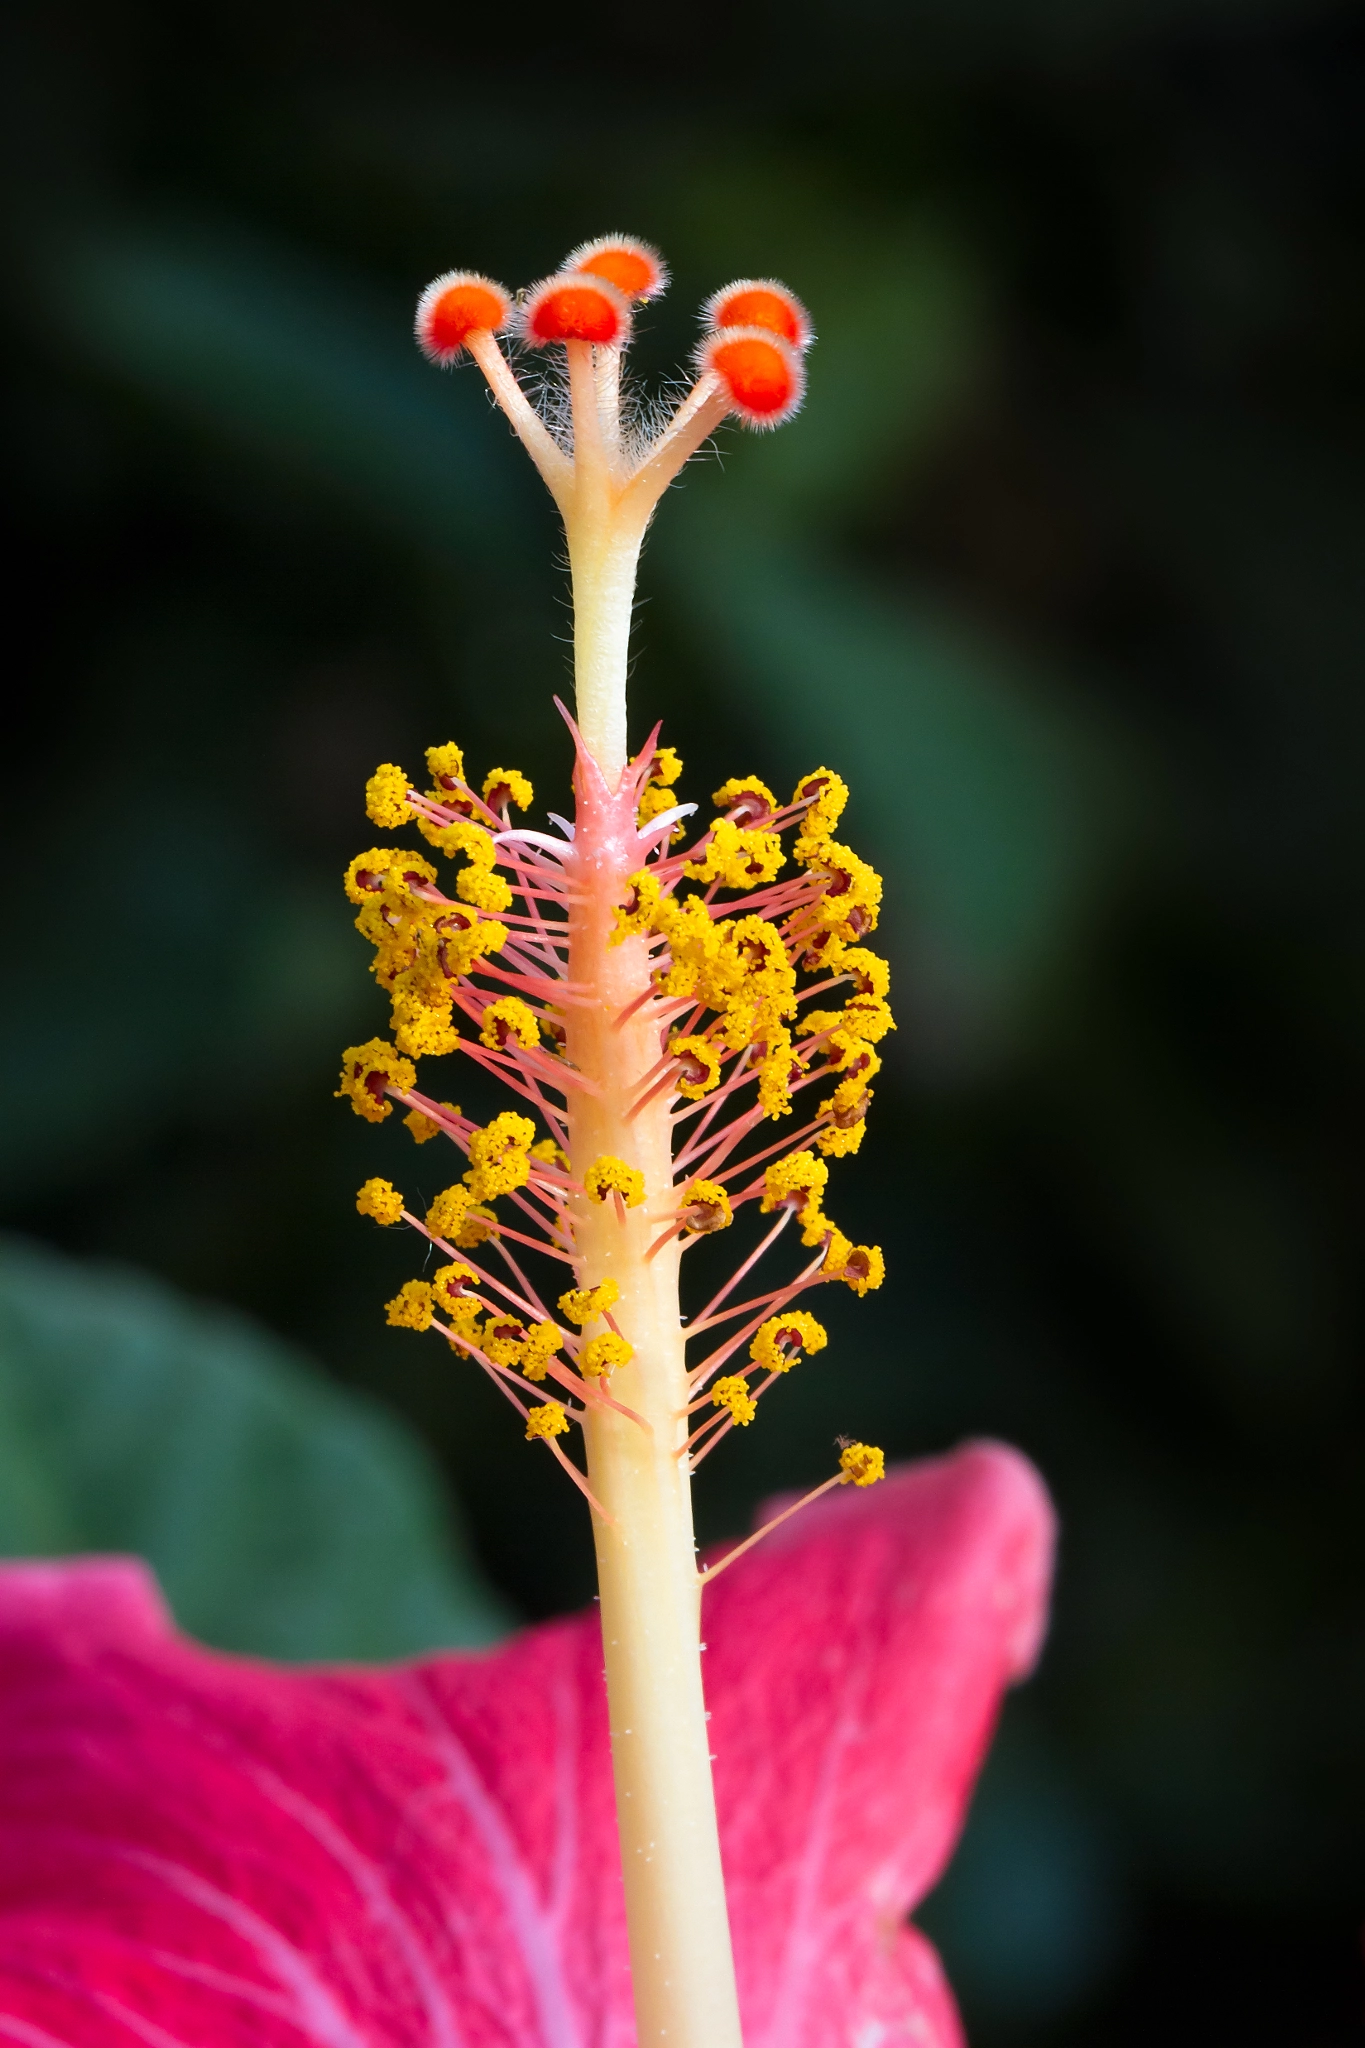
point(265, 347)
point(974, 783)
point(283, 1516)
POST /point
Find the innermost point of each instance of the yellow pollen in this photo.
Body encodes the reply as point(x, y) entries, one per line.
point(484, 889)
point(445, 765)
point(499, 1156)
point(609, 1175)
point(446, 1216)
point(705, 1206)
point(386, 798)
point(542, 1342)
point(732, 1392)
point(509, 1021)
point(637, 912)
point(551, 1152)
point(380, 1199)
point(410, 1308)
point(698, 1066)
point(864, 1464)
point(546, 1421)
point(448, 1284)
point(425, 1127)
point(604, 1354)
point(581, 1304)
point(666, 766)
point(799, 1179)
point(779, 1343)
point(747, 794)
point(367, 1071)
point(826, 794)
point(503, 787)
point(504, 1340)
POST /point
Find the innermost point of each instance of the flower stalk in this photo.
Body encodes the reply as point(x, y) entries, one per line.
point(652, 1031)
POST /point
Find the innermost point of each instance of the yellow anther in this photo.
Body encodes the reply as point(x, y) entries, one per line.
point(815, 1225)
point(604, 1354)
point(503, 787)
point(546, 1421)
point(421, 1029)
point(797, 1181)
point(760, 954)
point(778, 1071)
point(863, 1266)
point(460, 937)
point(847, 1054)
point(484, 888)
point(871, 974)
point(552, 1153)
point(847, 1110)
point(737, 858)
point(503, 1340)
point(367, 1071)
point(498, 1156)
point(448, 1285)
point(826, 794)
point(705, 1206)
point(507, 1022)
point(840, 1141)
point(864, 1464)
point(389, 872)
point(386, 798)
point(654, 802)
point(581, 1304)
point(445, 765)
point(424, 1127)
point(609, 1175)
point(838, 1252)
point(637, 912)
point(666, 766)
point(542, 1342)
point(698, 1066)
point(410, 1308)
point(732, 1392)
point(380, 1199)
point(447, 1213)
point(778, 1345)
point(747, 798)
point(869, 1016)
point(462, 835)
point(849, 901)
point(478, 1225)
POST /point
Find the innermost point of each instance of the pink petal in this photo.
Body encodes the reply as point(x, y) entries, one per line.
point(196, 1848)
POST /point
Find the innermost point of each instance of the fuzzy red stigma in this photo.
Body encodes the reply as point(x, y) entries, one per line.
point(762, 373)
point(572, 307)
point(453, 307)
point(637, 270)
point(760, 302)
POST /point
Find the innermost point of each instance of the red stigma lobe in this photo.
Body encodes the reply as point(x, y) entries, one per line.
point(572, 308)
point(760, 302)
point(455, 306)
point(636, 270)
point(761, 373)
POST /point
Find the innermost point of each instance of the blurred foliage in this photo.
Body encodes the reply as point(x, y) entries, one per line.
point(1060, 566)
point(283, 1516)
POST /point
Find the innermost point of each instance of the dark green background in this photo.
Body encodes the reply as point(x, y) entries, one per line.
point(1062, 567)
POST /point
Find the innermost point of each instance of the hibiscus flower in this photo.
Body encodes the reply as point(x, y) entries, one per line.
point(202, 1851)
